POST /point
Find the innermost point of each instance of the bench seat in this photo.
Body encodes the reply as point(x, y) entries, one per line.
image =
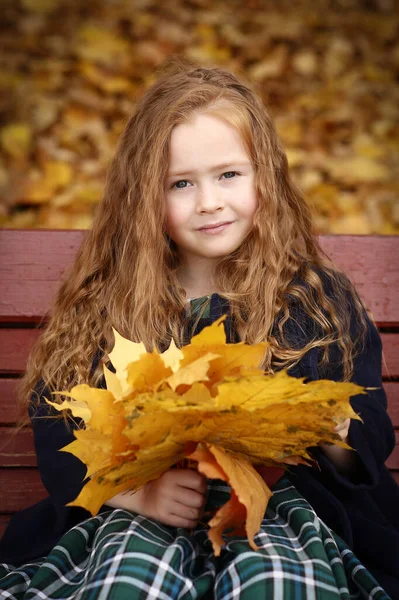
point(34, 261)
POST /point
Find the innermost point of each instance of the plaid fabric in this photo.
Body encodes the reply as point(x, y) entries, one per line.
point(118, 555)
point(199, 306)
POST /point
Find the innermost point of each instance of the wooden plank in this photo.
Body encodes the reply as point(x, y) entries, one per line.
point(371, 262)
point(9, 413)
point(11, 410)
point(15, 345)
point(390, 358)
point(16, 447)
point(34, 261)
point(3, 523)
point(393, 461)
point(392, 392)
point(20, 488)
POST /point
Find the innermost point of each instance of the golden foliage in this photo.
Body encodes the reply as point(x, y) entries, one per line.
point(209, 402)
point(328, 71)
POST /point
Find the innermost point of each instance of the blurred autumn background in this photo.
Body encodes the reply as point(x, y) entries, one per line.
point(71, 72)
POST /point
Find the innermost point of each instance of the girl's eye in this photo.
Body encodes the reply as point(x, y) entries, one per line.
point(177, 185)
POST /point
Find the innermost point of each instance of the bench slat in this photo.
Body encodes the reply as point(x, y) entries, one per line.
point(15, 345)
point(4, 518)
point(390, 359)
point(21, 491)
point(393, 460)
point(35, 260)
point(10, 413)
point(20, 488)
point(33, 263)
point(392, 392)
point(9, 406)
point(17, 449)
point(371, 262)
point(3, 523)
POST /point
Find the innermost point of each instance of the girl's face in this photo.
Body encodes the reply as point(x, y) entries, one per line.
point(210, 192)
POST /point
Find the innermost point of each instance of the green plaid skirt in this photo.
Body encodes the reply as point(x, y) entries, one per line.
point(119, 555)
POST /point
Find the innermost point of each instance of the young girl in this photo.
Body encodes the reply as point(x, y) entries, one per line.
point(200, 218)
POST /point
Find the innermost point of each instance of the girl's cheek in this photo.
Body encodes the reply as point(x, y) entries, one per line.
point(174, 223)
point(181, 213)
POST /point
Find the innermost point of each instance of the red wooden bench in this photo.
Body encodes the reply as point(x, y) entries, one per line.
point(32, 264)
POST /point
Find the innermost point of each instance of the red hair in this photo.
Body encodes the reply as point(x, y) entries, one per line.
point(124, 274)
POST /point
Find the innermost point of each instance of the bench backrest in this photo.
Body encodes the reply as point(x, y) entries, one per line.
point(32, 264)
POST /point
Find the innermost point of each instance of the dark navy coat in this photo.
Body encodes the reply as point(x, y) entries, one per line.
point(362, 508)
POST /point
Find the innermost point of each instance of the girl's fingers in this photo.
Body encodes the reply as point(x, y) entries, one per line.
point(178, 498)
point(343, 428)
point(189, 498)
point(179, 521)
point(188, 478)
point(344, 425)
point(187, 512)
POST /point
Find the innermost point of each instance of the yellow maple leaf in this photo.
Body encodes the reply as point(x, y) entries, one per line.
point(193, 372)
point(78, 408)
point(85, 396)
point(146, 373)
point(172, 357)
point(93, 448)
point(113, 383)
point(95, 494)
point(125, 351)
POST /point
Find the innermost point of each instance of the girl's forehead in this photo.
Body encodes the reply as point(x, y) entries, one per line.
point(205, 139)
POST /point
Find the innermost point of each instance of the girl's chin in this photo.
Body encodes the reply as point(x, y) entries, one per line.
point(215, 255)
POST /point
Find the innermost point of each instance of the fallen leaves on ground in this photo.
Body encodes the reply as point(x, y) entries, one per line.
point(327, 70)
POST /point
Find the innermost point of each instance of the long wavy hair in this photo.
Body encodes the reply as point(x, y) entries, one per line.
point(125, 273)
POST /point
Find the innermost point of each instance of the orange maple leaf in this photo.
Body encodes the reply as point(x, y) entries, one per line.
point(249, 497)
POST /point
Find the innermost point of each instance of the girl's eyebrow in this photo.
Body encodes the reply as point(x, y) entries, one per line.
point(238, 163)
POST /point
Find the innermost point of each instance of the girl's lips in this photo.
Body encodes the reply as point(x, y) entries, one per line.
point(213, 230)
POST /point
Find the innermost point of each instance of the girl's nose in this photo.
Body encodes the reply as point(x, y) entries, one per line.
point(209, 199)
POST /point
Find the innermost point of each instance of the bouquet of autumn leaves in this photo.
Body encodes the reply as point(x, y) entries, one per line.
point(208, 402)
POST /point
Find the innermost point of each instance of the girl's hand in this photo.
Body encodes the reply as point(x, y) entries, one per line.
point(343, 429)
point(176, 498)
point(345, 460)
